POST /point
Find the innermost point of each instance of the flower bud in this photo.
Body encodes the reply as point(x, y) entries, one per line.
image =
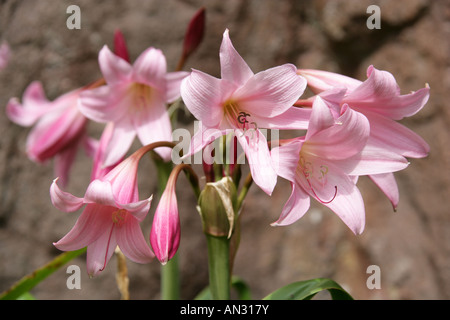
point(194, 33)
point(216, 206)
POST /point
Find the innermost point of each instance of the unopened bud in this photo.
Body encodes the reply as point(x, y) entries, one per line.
point(194, 32)
point(120, 46)
point(216, 206)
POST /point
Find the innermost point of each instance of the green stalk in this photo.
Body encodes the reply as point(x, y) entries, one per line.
point(170, 280)
point(219, 267)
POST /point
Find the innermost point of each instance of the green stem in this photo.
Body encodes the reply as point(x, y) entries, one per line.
point(170, 280)
point(219, 267)
point(245, 188)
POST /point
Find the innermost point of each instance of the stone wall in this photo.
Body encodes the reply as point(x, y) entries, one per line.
point(411, 246)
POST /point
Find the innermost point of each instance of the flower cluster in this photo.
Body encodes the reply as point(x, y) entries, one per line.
point(351, 129)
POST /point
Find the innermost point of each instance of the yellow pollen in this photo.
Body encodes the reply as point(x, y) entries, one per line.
point(141, 96)
point(119, 216)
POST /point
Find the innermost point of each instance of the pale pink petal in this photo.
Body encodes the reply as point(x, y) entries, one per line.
point(333, 98)
point(132, 243)
point(387, 183)
point(336, 190)
point(173, 83)
point(344, 139)
point(396, 137)
point(203, 95)
point(100, 251)
point(349, 206)
point(56, 131)
point(121, 141)
point(321, 117)
point(33, 106)
point(271, 92)
point(63, 162)
point(286, 157)
point(319, 80)
point(380, 93)
point(64, 201)
point(293, 119)
point(150, 68)
point(296, 206)
point(114, 68)
point(153, 124)
point(99, 148)
point(123, 180)
point(100, 192)
point(202, 137)
point(260, 163)
point(94, 220)
point(137, 209)
point(233, 68)
point(106, 103)
point(373, 160)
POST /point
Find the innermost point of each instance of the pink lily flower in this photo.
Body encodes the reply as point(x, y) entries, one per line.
point(379, 99)
point(59, 128)
point(134, 99)
point(243, 102)
point(111, 217)
point(324, 163)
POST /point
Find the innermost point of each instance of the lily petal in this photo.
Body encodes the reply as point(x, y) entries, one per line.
point(132, 242)
point(33, 106)
point(203, 95)
point(373, 160)
point(120, 142)
point(345, 138)
point(153, 124)
point(100, 192)
point(286, 157)
point(233, 68)
point(387, 183)
point(296, 206)
point(380, 93)
point(105, 103)
point(320, 80)
point(340, 194)
point(137, 209)
point(114, 68)
point(150, 68)
point(271, 92)
point(64, 201)
point(86, 230)
point(396, 137)
point(100, 251)
point(257, 152)
point(173, 83)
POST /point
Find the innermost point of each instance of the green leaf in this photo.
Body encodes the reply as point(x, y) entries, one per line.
point(306, 290)
point(20, 289)
point(237, 283)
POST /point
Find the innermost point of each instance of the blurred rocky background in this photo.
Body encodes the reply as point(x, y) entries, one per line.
point(411, 246)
